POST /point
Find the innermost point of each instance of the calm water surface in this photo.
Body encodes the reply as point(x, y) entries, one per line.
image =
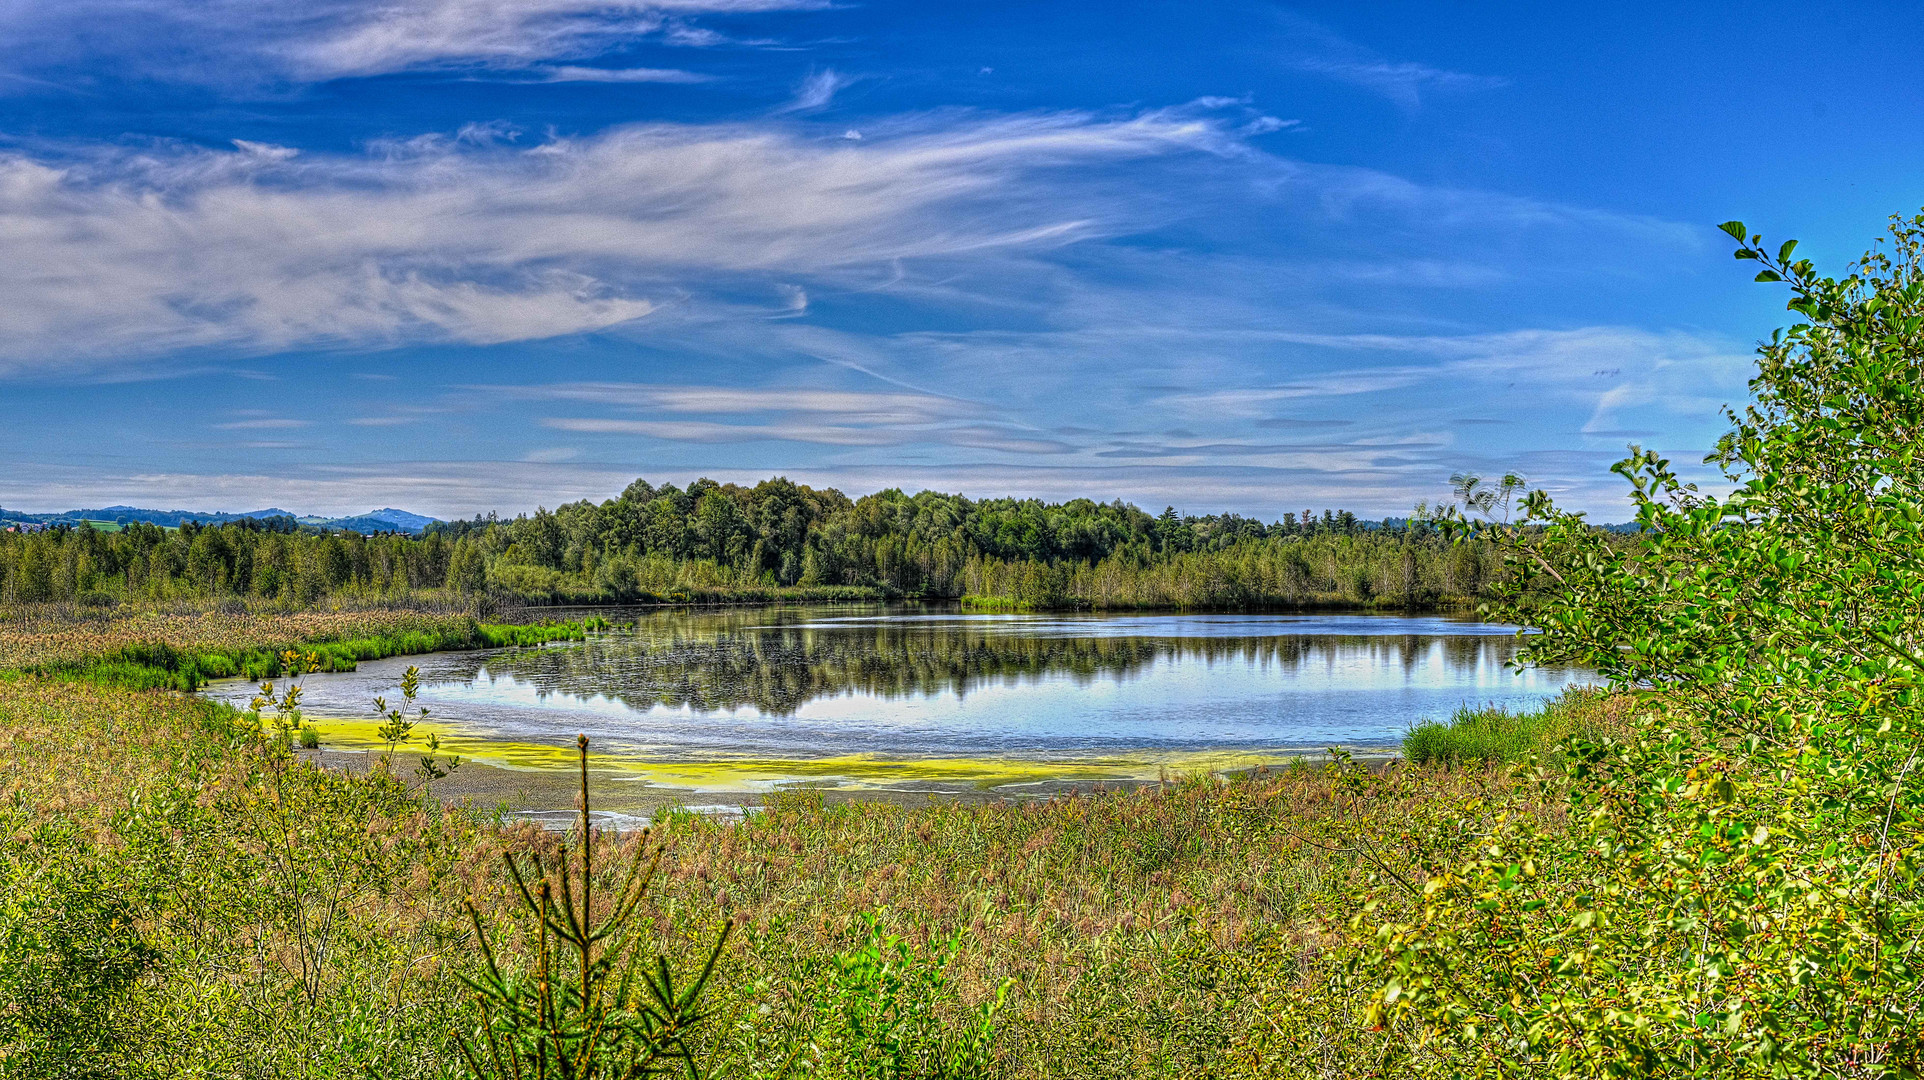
point(750, 698)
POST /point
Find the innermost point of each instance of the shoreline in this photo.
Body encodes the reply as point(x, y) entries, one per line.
point(544, 795)
point(982, 605)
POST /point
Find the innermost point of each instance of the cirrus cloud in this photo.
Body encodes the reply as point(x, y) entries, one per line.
point(243, 41)
point(119, 252)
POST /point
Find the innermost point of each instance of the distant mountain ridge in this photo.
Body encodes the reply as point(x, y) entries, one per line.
point(386, 519)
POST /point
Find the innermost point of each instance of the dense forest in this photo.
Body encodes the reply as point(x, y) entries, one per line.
point(715, 541)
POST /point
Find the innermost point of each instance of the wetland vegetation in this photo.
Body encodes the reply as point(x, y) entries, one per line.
point(183, 649)
point(1714, 872)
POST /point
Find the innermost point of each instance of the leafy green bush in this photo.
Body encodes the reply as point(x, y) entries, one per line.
point(1735, 890)
point(880, 1015)
point(70, 954)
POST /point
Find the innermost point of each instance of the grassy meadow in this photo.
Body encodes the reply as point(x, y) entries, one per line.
point(183, 648)
point(179, 895)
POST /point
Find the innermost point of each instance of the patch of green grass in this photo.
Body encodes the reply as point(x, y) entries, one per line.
point(160, 666)
point(996, 603)
point(1491, 735)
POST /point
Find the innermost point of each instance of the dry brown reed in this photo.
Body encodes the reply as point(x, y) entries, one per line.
point(1203, 925)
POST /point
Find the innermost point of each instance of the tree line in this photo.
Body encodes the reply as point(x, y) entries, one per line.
point(712, 541)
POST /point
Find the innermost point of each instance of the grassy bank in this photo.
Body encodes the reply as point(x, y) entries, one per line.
point(177, 894)
point(1002, 603)
point(181, 651)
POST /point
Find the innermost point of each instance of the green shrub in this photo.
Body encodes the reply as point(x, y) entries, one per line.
point(882, 1014)
point(70, 954)
point(1736, 888)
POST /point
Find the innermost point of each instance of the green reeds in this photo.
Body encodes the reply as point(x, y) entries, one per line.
point(148, 667)
point(996, 603)
point(1492, 735)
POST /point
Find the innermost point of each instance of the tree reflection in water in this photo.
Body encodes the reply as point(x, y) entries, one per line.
point(734, 660)
point(806, 689)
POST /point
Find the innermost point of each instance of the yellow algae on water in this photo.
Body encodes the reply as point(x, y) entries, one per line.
point(358, 734)
point(846, 771)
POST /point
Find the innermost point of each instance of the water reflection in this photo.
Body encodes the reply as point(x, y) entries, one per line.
point(776, 669)
point(778, 672)
point(808, 690)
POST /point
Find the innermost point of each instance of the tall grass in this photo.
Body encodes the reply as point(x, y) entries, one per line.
point(973, 602)
point(1492, 735)
point(257, 917)
point(290, 921)
point(148, 654)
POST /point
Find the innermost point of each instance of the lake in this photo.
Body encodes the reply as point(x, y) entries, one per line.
point(927, 698)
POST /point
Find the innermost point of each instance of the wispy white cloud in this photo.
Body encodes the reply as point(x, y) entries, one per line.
point(850, 405)
point(1319, 50)
point(1600, 371)
point(709, 431)
point(573, 73)
point(266, 423)
point(817, 90)
point(975, 436)
point(1203, 389)
point(1258, 402)
point(1612, 367)
point(1208, 359)
point(1403, 83)
point(224, 41)
point(114, 252)
point(799, 415)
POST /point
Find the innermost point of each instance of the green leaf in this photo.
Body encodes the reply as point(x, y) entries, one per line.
point(1767, 275)
point(1735, 229)
point(1783, 253)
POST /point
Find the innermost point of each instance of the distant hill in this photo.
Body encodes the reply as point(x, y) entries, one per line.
point(400, 519)
point(386, 519)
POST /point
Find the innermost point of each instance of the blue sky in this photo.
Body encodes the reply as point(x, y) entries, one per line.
point(470, 255)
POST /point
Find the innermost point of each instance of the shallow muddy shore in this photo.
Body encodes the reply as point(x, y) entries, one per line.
point(549, 796)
